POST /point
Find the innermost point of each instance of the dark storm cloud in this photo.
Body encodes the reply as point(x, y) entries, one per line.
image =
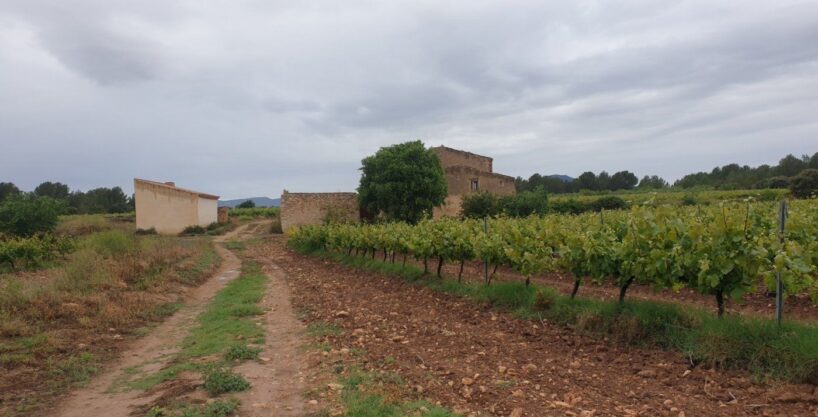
point(250, 97)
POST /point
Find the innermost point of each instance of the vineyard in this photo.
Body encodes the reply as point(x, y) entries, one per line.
point(722, 250)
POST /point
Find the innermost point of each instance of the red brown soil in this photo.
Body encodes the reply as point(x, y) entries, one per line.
point(278, 380)
point(479, 361)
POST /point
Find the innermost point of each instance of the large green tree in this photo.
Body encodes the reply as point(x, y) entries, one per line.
point(55, 190)
point(402, 182)
point(7, 190)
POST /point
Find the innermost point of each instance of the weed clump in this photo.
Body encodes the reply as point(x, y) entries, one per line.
point(241, 353)
point(221, 381)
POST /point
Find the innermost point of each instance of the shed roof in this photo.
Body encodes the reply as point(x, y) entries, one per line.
point(175, 188)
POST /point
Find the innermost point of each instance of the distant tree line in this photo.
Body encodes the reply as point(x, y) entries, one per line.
point(97, 200)
point(791, 172)
point(734, 176)
point(622, 180)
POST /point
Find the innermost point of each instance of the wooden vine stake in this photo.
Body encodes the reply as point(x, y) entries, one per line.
point(779, 286)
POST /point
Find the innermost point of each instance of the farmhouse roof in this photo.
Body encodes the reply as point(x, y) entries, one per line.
point(172, 186)
point(462, 152)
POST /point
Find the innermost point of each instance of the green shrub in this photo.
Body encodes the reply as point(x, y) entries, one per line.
point(570, 206)
point(479, 205)
point(689, 200)
point(611, 202)
point(525, 203)
point(27, 216)
point(222, 380)
point(193, 231)
point(805, 184)
point(241, 353)
point(31, 252)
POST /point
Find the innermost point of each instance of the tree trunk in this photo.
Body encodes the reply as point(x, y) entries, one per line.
point(577, 281)
point(623, 289)
point(373, 253)
point(425, 265)
point(460, 274)
point(439, 266)
point(404, 259)
point(527, 281)
point(720, 302)
point(349, 251)
point(393, 257)
point(385, 254)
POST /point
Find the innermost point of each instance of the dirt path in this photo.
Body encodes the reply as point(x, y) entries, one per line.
point(278, 380)
point(278, 376)
point(481, 362)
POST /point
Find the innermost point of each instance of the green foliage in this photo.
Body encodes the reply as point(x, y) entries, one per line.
point(8, 190)
point(734, 176)
point(732, 342)
point(479, 205)
point(358, 402)
point(719, 250)
point(805, 184)
point(525, 203)
point(246, 204)
point(100, 200)
point(55, 190)
point(254, 212)
point(31, 252)
point(402, 182)
point(194, 230)
point(220, 381)
point(611, 202)
point(241, 353)
point(27, 216)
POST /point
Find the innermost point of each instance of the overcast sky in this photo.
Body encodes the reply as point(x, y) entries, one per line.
point(246, 98)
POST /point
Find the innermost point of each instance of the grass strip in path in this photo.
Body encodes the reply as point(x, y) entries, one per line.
point(224, 335)
point(733, 342)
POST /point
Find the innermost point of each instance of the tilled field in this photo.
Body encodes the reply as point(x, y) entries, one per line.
point(475, 360)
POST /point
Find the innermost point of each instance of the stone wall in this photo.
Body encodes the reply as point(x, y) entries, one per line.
point(453, 157)
point(313, 208)
point(460, 180)
point(224, 214)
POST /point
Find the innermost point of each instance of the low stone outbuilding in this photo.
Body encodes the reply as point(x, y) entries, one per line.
point(298, 209)
point(168, 209)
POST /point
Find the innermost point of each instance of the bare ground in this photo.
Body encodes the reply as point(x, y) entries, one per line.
point(478, 361)
point(151, 352)
point(278, 380)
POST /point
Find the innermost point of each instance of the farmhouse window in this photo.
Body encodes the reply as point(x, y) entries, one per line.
point(475, 185)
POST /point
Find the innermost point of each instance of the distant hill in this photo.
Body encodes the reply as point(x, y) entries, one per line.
point(260, 202)
point(564, 178)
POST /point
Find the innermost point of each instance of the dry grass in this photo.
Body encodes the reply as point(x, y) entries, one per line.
point(57, 325)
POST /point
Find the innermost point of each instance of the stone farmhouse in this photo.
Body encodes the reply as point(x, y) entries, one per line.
point(168, 209)
point(468, 173)
point(465, 173)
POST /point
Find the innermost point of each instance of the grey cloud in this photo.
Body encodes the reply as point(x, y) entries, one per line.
point(249, 98)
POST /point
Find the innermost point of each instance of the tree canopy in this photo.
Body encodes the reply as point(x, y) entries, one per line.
point(402, 182)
